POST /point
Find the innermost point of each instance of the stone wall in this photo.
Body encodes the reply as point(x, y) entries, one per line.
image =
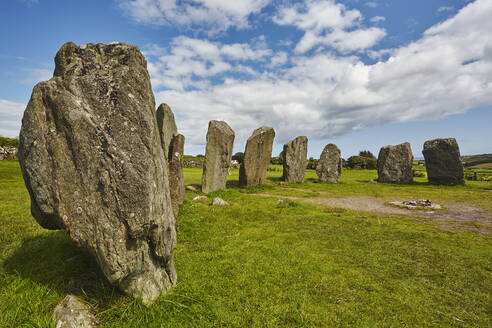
point(8, 152)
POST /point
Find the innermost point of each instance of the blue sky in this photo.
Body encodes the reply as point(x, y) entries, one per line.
point(358, 73)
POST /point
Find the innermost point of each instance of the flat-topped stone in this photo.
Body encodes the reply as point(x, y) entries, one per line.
point(443, 162)
point(395, 164)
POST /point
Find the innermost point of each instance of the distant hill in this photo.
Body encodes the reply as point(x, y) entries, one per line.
point(483, 161)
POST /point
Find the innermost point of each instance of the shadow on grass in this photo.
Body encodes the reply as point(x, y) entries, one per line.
point(52, 259)
point(414, 183)
point(232, 184)
point(275, 179)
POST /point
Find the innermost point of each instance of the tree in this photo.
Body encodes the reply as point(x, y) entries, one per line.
point(366, 153)
point(356, 162)
point(239, 156)
point(279, 160)
point(361, 162)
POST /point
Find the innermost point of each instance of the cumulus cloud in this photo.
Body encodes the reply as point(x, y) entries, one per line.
point(190, 61)
point(447, 71)
point(212, 15)
point(10, 116)
point(330, 24)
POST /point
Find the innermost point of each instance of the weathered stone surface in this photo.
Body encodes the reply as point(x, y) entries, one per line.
point(8, 153)
point(173, 146)
point(167, 127)
point(72, 313)
point(417, 204)
point(191, 188)
point(93, 164)
point(192, 164)
point(218, 156)
point(176, 177)
point(295, 160)
point(443, 162)
point(220, 202)
point(257, 155)
point(329, 167)
point(395, 164)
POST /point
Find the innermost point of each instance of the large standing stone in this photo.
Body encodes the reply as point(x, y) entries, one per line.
point(218, 156)
point(395, 164)
point(176, 177)
point(93, 164)
point(329, 167)
point(167, 127)
point(295, 160)
point(443, 162)
point(257, 156)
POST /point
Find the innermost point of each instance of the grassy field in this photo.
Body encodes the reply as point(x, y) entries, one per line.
point(258, 263)
point(483, 161)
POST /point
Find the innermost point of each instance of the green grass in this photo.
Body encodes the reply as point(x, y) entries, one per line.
point(262, 264)
point(358, 183)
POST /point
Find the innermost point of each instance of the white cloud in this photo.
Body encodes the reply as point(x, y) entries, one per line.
point(10, 116)
point(330, 24)
point(447, 71)
point(372, 4)
point(212, 15)
point(377, 19)
point(445, 8)
point(191, 60)
point(279, 59)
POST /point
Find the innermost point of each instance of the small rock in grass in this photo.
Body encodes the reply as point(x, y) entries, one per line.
point(191, 188)
point(72, 313)
point(415, 204)
point(200, 197)
point(219, 201)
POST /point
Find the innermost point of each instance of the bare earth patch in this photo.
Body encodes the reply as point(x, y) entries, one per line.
point(458, 217)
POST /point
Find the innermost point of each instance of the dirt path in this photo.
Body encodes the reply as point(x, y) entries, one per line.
point(457, 217)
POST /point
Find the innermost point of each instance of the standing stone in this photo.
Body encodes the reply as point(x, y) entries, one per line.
point(295, 160)
point(257, 156)
point(218, 156)
point(167, 127)
point(176, 177)
point(173, 146)
point(443, 162)
point(92, 161)
point(395, 164)
point(329, 167)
